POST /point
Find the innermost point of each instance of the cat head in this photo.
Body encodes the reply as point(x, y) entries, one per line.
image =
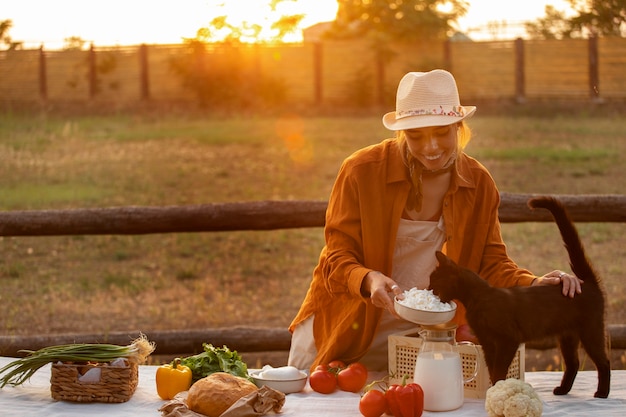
point(444, 279)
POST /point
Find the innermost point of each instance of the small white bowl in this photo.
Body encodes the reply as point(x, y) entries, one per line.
point(424, 316)
point(286, 386)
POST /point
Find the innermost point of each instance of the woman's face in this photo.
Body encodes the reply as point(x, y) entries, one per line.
point(432, 146)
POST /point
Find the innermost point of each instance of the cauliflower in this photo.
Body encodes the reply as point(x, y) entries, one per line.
point(513, 398)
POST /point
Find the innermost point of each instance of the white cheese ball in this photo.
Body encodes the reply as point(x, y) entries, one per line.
point(283, 373)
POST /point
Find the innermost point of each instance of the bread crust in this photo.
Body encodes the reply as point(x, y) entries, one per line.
point(214, 394)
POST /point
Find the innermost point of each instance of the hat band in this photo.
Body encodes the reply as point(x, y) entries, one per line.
point(457, 111)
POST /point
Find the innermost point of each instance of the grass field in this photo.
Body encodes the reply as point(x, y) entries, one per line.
point(114, 283)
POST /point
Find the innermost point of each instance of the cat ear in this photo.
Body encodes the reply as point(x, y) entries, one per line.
point(444, 260)
point(441, 257)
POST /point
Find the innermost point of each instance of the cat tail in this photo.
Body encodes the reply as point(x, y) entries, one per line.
point(580, 264)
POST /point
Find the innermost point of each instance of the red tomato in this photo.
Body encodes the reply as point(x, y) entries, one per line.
point(321, 368)
point(360, 367)
point(373, 403)
point(352, 378)
point(323, 382)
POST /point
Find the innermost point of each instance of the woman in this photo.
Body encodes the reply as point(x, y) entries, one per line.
point(392, 206)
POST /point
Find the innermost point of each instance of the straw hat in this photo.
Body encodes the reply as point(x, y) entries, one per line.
point(427, 99)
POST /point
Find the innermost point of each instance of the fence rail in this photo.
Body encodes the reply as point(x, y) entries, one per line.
point(263, 215)
point(242, 339)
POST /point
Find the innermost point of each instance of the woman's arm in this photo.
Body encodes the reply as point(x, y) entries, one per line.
point(343, 262)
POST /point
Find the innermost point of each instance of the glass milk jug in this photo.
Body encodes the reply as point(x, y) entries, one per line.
point(438, 368)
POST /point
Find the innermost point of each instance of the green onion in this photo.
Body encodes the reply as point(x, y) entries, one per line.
point(20, 370)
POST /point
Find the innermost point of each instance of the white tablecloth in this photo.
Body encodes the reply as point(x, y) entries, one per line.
point(33, 399)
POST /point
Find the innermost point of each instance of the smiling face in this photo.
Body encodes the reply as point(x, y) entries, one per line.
point(432, 146)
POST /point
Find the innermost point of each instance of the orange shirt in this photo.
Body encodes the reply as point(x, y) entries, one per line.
point(362, 219)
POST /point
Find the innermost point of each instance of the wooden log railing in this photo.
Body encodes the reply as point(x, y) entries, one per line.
point(259, 215)
point(262, 215)
point(168, 342)
point(242, 339)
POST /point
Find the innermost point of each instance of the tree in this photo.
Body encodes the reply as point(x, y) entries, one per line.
point(554, 25)
point(594, 17)
point(74, 43)
point(223, 29)
point(404, 20)
point(599, 17)
point(224, 78)
point(5, 26)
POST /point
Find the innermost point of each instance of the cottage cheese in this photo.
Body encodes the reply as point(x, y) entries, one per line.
point(423, 300)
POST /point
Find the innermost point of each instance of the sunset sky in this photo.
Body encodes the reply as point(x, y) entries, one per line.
point(131, 22)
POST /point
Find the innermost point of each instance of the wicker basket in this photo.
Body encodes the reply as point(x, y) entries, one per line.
point(404, 347)
point(116, 385)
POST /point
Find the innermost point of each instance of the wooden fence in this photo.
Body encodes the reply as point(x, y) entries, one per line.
point(318, 75)
point(264, 215)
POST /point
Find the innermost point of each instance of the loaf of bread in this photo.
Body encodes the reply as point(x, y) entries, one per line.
point(212, 395)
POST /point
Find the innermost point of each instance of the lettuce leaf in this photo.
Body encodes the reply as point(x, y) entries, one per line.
point(213, 360)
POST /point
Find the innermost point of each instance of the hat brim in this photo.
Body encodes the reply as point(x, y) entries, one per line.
point(415, 122)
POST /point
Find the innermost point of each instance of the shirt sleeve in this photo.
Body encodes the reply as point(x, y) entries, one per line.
point(343, 263)
point(496, 265)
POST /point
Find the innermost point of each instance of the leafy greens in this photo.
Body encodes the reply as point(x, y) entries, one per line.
point(213, 360)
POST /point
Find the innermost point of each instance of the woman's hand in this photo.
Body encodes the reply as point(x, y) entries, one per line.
point(381, 290)
point(572, 285)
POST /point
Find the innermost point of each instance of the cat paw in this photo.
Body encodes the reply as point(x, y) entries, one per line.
point(560, 391)
point(601, 394)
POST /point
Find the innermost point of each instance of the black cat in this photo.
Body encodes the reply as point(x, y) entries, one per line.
point(502, 318)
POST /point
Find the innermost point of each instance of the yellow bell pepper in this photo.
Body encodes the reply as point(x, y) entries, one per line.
point(172, 378)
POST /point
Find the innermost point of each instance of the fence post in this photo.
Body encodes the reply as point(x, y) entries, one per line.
point(43, 75)
point(380, 78)
point(447, 55)
point(520, 82)
point(256, 70)
point(317, 72)
point(93, 78)
point(594, 77)
point(144, 82)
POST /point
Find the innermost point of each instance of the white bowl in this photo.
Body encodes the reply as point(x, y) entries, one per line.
point(426, 317)
point(286, 386)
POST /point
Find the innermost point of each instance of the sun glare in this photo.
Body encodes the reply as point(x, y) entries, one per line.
point(132, 22)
